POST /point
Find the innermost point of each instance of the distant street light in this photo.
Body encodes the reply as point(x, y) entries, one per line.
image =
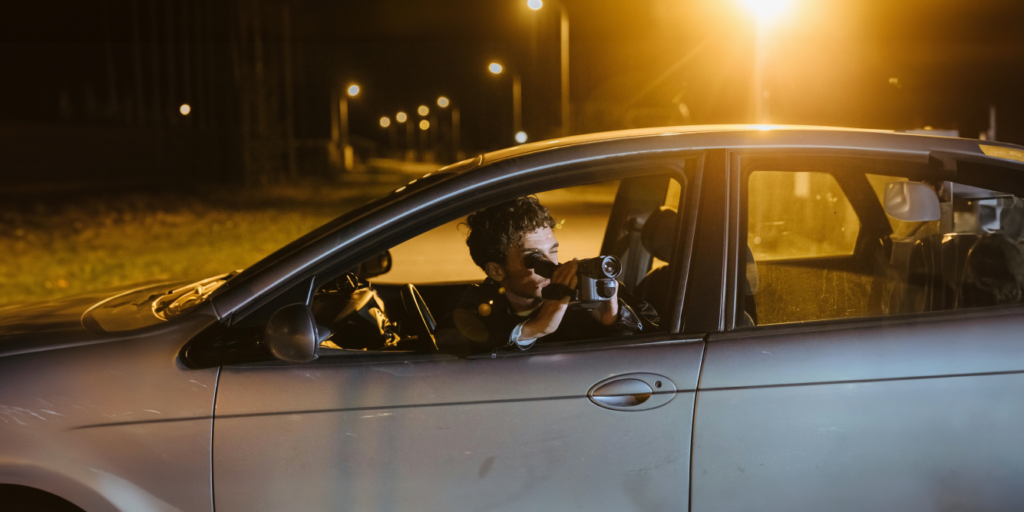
point(520, 137)
point(442, 102)
point(401, 117)
point(495, 68)
point(353, 90)
point(563, 29)
point(185, 109)
point(423, 110)
point(424, 124)
point(385, 122)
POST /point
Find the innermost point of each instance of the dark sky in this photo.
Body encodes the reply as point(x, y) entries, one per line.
point(830, 61)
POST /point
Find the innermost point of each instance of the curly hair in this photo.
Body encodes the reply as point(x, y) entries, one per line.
point(495, 228)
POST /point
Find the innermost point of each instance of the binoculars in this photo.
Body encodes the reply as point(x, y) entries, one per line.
point(595, 279)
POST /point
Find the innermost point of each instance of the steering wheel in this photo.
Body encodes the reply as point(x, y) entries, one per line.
point(419, 315)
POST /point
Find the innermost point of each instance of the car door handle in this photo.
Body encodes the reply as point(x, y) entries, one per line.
point(634, 391)
point(623, 393)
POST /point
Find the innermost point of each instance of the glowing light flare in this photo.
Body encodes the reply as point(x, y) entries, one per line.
point(767, 10)
point(353, 90)
point(423, 110)
point(442, 102)
point(185, 109)
point(385, 122)
point(521, 137)
point(495, 68)
point(424, 124)
point(401, 117)
point(534, 4)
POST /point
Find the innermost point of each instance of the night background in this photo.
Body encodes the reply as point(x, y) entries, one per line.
point(104, 181)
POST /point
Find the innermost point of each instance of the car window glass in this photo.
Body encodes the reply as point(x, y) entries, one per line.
point(971, 257)
point(440, 255)
point(799, 215)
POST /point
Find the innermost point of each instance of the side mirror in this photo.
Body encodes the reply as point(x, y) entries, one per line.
point(911, 201)
point(291, 334)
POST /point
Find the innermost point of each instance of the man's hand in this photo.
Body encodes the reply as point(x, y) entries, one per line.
point(608, 312)
point(552, 311)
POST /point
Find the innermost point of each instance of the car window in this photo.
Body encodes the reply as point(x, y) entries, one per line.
point(821, 246)
point(425, 280)
point(440, 255)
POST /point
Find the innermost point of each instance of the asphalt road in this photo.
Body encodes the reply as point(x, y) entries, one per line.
point(441, 255)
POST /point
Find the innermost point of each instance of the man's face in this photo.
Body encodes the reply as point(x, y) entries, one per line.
point(523, 281)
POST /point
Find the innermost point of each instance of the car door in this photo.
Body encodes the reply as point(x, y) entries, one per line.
point(596, 425)
point(849, 402)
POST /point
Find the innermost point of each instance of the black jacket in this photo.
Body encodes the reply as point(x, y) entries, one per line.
point(483, 320)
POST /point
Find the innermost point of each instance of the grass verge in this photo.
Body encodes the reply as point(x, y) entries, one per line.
point(51, 248)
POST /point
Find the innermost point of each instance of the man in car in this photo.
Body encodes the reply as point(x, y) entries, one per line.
point(507, 310)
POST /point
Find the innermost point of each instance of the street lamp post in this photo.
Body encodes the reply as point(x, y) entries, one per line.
point(424, 125)
point(517, 101)
point(443, 102)
point(410, 152)
point(385, 122)
point(563, 33)
point(348, 157)
point(456, 133)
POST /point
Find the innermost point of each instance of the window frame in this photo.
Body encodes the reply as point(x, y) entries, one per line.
point(742, 162)
point(684, 165)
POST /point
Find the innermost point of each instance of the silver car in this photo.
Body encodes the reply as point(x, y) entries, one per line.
point(840, 329)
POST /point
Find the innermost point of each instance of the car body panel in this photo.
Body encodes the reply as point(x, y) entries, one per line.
point(903, 412)
point(116, 425)
point(946, 443)
point(867, 350)
point(510, 433)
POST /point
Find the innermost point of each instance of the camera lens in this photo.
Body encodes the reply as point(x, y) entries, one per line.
point(611, 266)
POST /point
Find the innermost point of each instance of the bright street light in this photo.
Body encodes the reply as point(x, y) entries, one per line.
point(385, 122)
point(423, 110)
point(442, 102)
point(424, 124)
point(521, 137)
point(495, 68)
point(401, 117)
point(766, 10)
point(563, 36)
point(185, 109)
point(353, 90)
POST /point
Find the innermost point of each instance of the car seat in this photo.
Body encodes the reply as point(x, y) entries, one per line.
point(657, 235)
point(993, 273)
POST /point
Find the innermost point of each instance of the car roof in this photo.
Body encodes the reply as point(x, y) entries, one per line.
point(743, 135)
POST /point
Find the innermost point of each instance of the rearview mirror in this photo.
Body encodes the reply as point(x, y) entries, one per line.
point(291, 334)
point(911, 201)
point(378, 265)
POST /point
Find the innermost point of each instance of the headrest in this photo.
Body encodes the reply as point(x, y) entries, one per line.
point(658, 232)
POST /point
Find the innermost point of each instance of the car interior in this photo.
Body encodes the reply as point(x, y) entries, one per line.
point(364, 309)
point(826, 245)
